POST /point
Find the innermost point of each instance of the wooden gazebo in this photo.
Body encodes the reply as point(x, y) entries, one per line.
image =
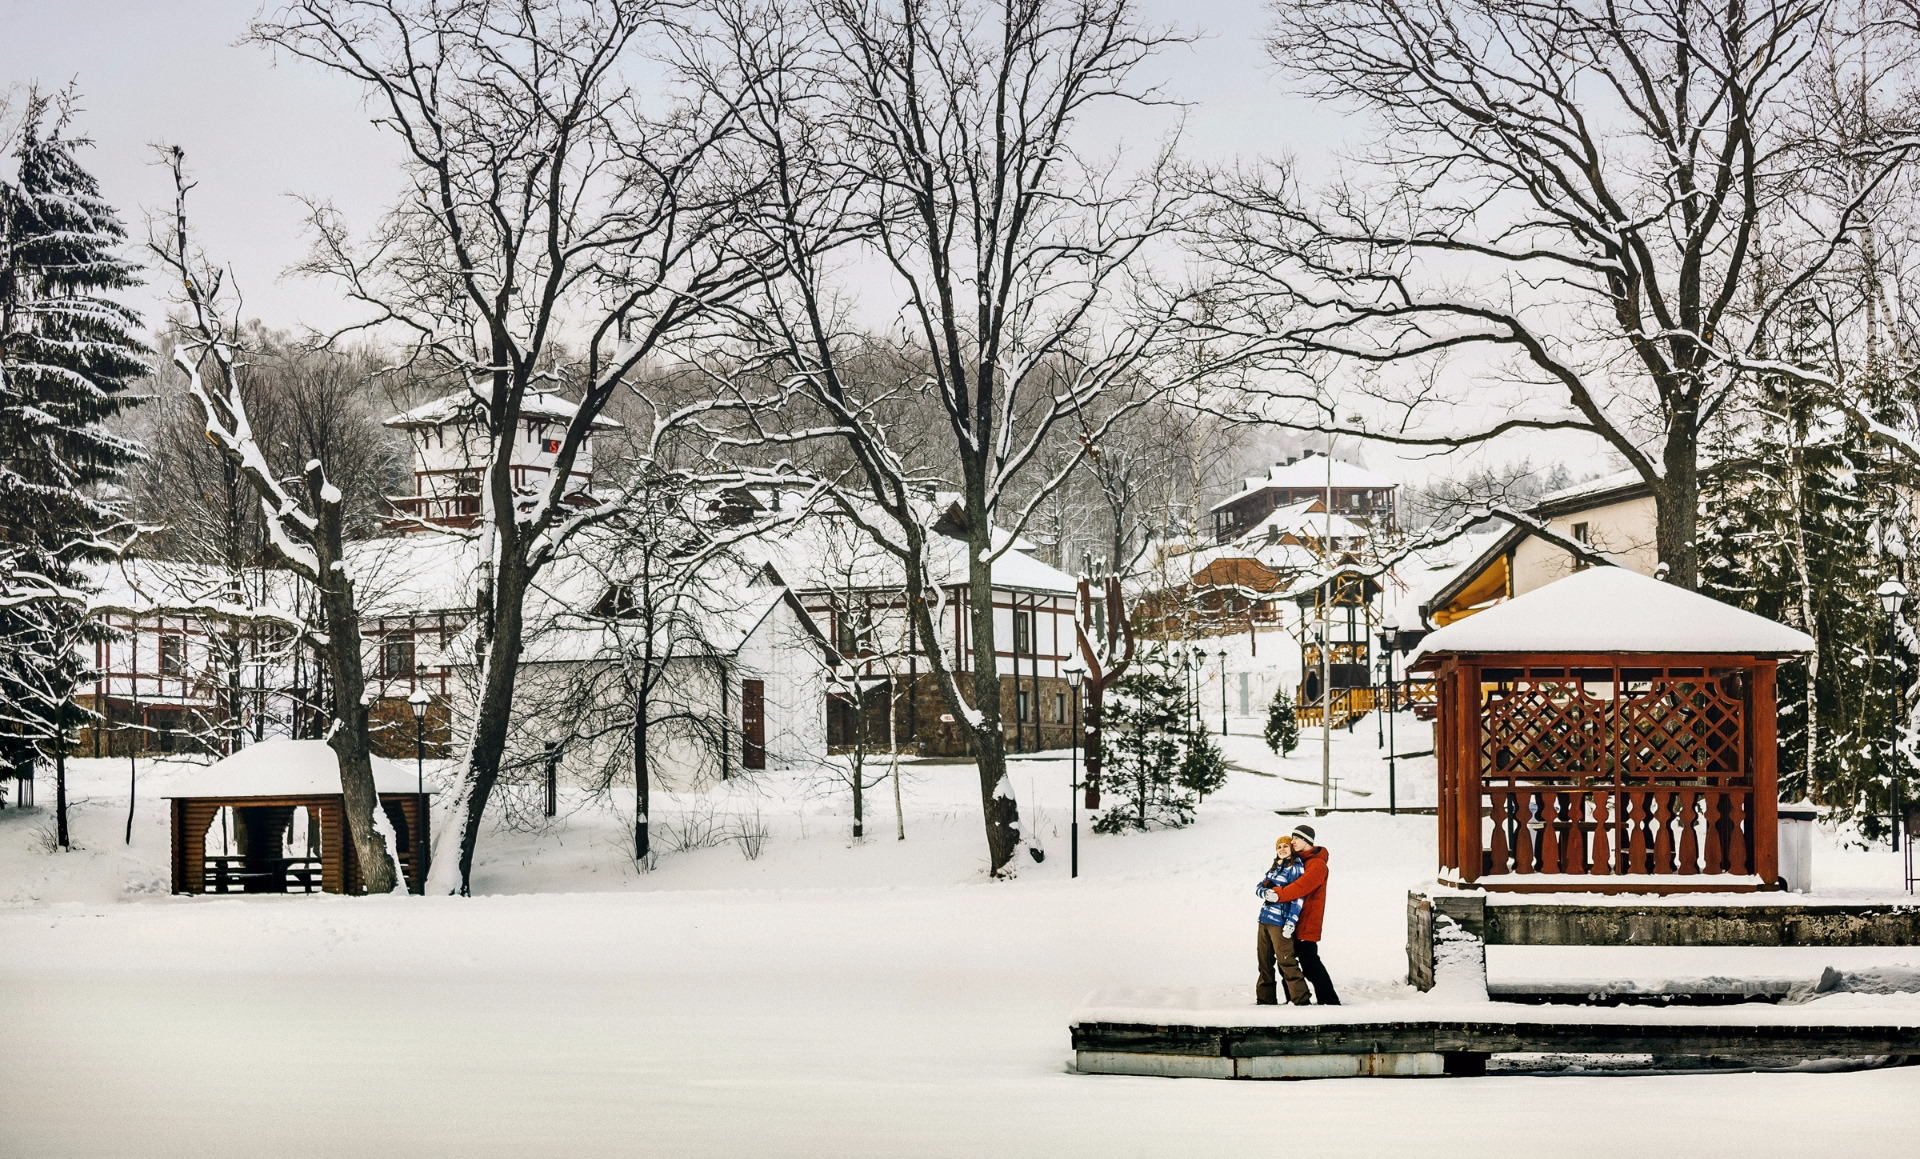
point(1610, 733)
point(264, 785)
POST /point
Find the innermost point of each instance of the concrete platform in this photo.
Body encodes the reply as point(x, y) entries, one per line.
point(1219, 1034)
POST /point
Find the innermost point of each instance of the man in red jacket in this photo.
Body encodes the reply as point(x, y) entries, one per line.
point(1311, 890)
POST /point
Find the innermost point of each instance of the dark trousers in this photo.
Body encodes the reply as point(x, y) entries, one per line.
point(1308, 955)
point(1275, 949)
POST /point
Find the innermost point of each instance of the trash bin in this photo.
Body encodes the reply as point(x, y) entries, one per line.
point(1796, 845)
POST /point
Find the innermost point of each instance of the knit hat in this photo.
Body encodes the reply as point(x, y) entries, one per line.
point(1304, 832)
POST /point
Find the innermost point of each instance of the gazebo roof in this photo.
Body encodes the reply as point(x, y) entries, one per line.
point(283, 768)
point(1614, 610)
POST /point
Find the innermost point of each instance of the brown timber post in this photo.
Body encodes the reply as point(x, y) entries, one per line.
point(1764, 758)
point(1467, 769)
point(179, 819)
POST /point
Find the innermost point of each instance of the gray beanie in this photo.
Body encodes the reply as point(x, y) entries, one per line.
point(1305, 832)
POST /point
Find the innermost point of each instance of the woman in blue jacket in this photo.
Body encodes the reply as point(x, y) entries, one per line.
point(1277, 921)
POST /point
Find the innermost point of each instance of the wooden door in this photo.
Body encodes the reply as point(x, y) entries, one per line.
point(753, 724)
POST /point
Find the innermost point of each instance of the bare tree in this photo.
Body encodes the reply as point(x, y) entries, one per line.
point(544, 201)
point(306, 533)
point(936, 143)
point(1570, 193)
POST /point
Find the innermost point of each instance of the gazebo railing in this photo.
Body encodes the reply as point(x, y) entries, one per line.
point(1617, 830)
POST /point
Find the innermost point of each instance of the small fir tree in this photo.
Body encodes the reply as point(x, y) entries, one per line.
point(1158, 765)
point(1283, 727)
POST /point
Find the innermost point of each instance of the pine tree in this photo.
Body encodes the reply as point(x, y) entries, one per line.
point(1158, 765)
point(1283, 727)
point(1796, 511)
point(67, 357)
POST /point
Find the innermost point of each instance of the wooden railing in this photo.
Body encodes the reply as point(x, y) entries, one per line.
point(1348, 705)
point(1610, 830)
point(283, 875)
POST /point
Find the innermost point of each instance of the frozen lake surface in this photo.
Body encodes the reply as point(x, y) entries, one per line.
point(826, 998)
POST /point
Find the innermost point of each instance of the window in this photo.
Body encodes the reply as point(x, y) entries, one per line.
point(173, 655)
point(1060, 707)
point(1580, 533)
point(396, 658)
point(1022, 634)
point(1020, 707)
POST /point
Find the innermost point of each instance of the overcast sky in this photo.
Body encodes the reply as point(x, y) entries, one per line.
point(260, 133)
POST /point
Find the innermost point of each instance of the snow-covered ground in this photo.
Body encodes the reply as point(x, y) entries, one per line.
point(822, 998)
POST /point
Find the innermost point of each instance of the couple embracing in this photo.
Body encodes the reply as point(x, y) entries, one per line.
point(1294, 896)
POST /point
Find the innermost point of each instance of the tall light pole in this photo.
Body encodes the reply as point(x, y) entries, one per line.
point(1326, 645)
point(1195, 658)
point(1390, 636)
point(417, 703)
point(1074, 671)
point(1223, 691)
point(1892, 595)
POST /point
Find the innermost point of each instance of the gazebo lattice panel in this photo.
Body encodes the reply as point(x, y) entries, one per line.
point(1606, 766)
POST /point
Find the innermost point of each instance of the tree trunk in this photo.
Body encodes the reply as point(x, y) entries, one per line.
point(642, 775)
point(1090, 734)
point(60, 773)
point(349, 739)
point(504, 599)
point(859, 814)
point(1676, 499)
point(1002, 813)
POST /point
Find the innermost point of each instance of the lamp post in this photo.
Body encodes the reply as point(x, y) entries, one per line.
point(1195, 658)
point(1390, 636)
point(418, 703)
point(1893, 594)
point(1223, 690)
point(1075, 671)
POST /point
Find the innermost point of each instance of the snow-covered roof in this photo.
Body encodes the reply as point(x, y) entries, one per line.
point(464, 405)
point(1415, 580)
point(398, 575)
point(1303, 519)
point(1612, 609)
point(1571, 497)
point(283, 768)
point(1311, 470)
point(828, 552)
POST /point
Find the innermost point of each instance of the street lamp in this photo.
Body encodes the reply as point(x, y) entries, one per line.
point(418, 703)
point(1389, 638)
point(1195, 658)
point(422, 850)
point(1075, 672)
point(1893, 594)
point(1223, 691)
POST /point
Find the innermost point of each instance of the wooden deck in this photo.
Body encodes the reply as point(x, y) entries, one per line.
point(1399, 1043)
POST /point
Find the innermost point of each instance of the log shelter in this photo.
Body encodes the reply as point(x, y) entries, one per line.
point(264, 785)
point(1608, 733)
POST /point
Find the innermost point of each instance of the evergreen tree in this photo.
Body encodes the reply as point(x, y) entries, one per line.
point(1283, 727)
point(1157, 765)
point(67, 357)
point(1798, 510)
